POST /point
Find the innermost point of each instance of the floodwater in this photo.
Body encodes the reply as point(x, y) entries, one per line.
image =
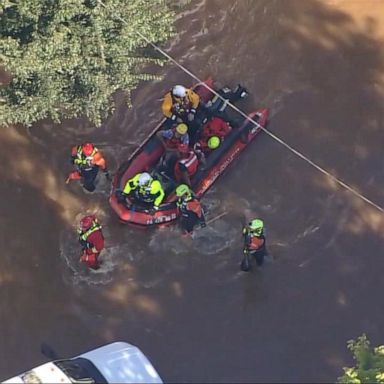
point(319, 67)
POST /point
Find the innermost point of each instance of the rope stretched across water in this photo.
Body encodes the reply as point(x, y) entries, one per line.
point(273, 136)
point(216, 217)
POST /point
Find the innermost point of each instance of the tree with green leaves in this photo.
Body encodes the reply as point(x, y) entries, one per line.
point(369, 363)
point(66, 58)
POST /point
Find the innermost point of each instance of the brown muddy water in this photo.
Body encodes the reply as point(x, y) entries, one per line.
point(319, 66)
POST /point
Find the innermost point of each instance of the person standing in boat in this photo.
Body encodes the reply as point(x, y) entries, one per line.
point(215, 127)
point(172, 139)
point(145, 189)
point(91, 240)
point(212, 135)
point(180, 104)
point(254, 243)
point(190, 209)
point(87, 160)
point(186, 165)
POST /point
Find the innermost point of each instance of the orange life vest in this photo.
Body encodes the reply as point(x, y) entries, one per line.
point(191, 205)
point(255, 243)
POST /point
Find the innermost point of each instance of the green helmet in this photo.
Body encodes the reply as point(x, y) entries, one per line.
point(213, 142)
point(256, 226)
point(182, 189)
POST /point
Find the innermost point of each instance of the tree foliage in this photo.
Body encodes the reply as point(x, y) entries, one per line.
point(66, 58)
point(369, 363)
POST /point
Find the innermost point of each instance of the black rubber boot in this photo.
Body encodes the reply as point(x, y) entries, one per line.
point(245, 265)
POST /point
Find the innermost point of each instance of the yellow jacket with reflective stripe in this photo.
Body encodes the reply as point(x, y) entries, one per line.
point(192, 99)
point(152, 193)
point(81, 159)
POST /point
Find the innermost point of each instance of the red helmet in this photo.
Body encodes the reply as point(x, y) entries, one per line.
point(88, 149)
point(86, 222)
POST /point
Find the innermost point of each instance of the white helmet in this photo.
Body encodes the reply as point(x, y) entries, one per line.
point(144, 178)
point(179, 91)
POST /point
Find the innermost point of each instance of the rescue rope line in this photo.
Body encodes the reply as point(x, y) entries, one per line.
point(280, 141)
point(216, 218)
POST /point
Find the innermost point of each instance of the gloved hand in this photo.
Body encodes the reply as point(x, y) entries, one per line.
point(203, 224)
point(153, 210)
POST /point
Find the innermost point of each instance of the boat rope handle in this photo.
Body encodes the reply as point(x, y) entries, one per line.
point(273, 136)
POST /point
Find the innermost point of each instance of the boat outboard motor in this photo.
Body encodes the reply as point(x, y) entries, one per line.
point(217, 105)
point(240, 92)
point(232, 96)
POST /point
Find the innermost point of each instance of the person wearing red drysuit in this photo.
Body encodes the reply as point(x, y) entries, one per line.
point(92, 241)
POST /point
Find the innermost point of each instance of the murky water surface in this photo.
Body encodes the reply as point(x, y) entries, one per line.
point(319, 66)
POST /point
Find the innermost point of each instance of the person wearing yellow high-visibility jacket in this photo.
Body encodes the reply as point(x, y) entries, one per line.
point(145, 189)
point(254, 244)
point(180, 103)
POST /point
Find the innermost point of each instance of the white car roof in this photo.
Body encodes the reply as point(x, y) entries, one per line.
point(121, 362)
point(46, 373)
point(118, 362)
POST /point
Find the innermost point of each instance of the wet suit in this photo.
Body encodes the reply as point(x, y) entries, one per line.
point(92, 242)
point(191, 214)
point(255, 245)
point(88, 166)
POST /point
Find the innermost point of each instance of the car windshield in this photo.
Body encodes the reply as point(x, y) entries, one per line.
point(80, 370)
